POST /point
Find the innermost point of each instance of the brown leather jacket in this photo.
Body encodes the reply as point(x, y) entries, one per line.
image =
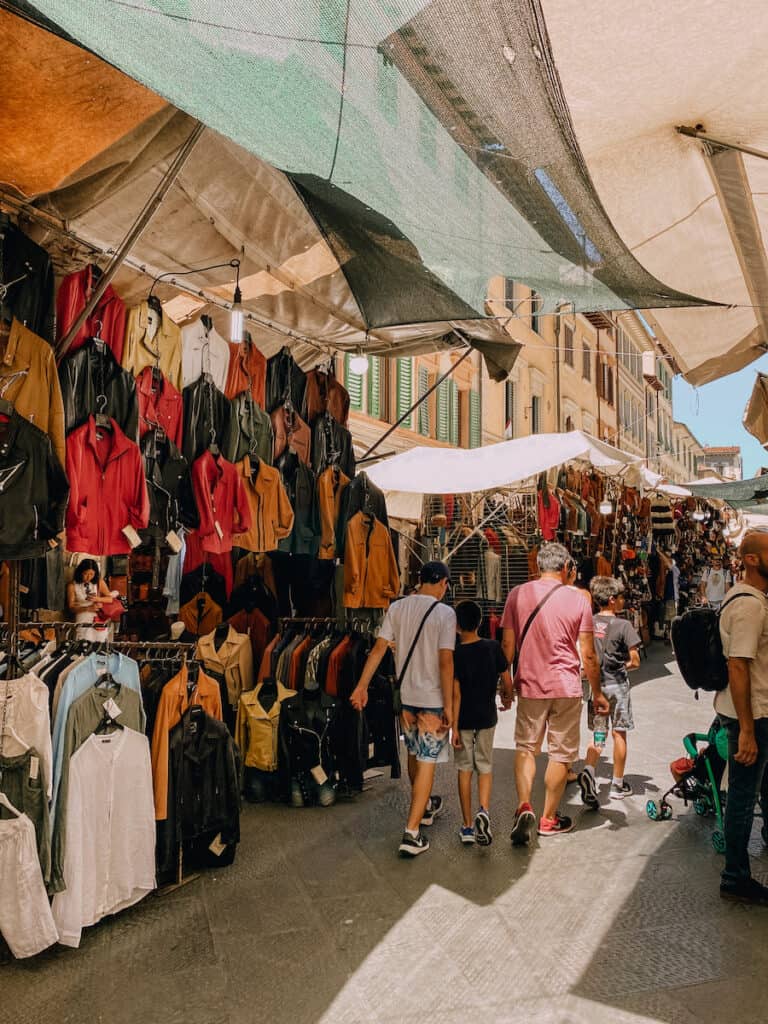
point(371, 574)
point(291, 430)
point(330, 487)
point(325, 394)
point(28, 368)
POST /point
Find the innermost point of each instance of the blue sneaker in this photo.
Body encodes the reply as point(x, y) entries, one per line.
point(467, 836)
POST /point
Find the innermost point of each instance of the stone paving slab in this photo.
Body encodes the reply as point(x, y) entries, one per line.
point(319, 921)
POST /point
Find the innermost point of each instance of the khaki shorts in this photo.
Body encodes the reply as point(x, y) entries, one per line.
point(559, 719)
point(476, 754)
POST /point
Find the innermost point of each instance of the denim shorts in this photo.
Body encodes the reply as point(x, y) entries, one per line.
point(620, 714)
point(425, 735)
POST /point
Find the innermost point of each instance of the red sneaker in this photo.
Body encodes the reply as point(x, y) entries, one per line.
point(523, 825)
point(555, 826)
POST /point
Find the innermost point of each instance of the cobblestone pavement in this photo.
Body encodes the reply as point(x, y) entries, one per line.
point(319, 921)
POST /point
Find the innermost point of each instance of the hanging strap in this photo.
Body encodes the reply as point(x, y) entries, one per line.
point(529, 623)
point(409, 655)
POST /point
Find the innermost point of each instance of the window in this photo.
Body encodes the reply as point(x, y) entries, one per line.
point(374, 387)
point(404, 390)
point(454, 430)
point(387, 88)
point(354, 385)
point(510, 409)
point(586, 362)
point(443, 414)
point(425, 425)
point(568, 335)
point(609, 385)
point(536, 304)
point(536, 414)
point(475, 426)
point(428, 136)
point(569, 424)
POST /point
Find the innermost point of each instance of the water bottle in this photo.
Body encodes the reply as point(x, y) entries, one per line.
point(600, 730)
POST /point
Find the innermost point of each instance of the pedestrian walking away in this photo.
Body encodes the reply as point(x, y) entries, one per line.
point(743, 710)
point(546, 626)
point(617, 644)
point(422, 631)
point(478, 664)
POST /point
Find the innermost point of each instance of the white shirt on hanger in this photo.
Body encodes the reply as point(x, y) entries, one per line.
point(27, 722)
point(203, 352)
point(109, 863)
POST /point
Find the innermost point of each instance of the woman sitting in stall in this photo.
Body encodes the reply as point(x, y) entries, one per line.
point(87, 598)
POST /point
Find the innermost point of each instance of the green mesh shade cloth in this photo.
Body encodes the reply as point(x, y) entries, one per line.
point(430, 141)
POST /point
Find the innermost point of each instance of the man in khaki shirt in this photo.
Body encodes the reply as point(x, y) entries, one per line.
point(743, 710)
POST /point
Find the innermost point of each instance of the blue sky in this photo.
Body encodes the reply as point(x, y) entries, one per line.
point(714, 412)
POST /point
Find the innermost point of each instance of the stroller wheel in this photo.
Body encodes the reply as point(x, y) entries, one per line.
point(701, 807)
point(666, 811)
point(653, 810)
point(718, 842)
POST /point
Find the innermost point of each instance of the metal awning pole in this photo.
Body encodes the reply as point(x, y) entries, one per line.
point(419, 400)
point(696, 133)
point(144, 217)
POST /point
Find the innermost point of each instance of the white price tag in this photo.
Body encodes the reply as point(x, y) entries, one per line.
point(112, 709)
point(319, 775)
point(371, 750)
point(217, 847)
point(217, 527)
point(131, 536)
point(34, 768)
point(173, 541)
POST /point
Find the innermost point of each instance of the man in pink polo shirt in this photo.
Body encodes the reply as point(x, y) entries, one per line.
point(546, 626)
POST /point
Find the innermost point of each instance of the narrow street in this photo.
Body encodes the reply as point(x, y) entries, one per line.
point(319, 921)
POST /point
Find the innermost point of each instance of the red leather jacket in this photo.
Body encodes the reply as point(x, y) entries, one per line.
point(108, 490)
point(221, 501)
point(108, 319)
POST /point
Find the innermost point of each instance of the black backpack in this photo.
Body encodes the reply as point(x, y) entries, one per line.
point(699, 649)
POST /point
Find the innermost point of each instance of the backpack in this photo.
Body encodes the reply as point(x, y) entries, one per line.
point(698, 648)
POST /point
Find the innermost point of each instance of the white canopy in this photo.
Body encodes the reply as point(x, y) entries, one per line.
point(694, 217)
point(656, 482)
point(464, 471)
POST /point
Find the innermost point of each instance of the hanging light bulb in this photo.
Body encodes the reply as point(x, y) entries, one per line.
point(606, 507)
point(237, 313)
point(359, 363)
point(698, 515)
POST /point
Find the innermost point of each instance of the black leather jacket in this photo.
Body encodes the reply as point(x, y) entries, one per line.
point(251, 430)
point(202, 399)
point(94, 371)
point(299, 482)
point(332, 446)
point(33, 490)
point(30, 299)
point(304, 736)
point(171, 504)
point(203, 784)
point(286, 380)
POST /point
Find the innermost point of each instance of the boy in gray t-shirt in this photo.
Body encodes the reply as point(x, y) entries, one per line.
point(423, 634)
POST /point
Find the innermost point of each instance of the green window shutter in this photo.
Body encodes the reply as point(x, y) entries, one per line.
point(454, 413)
point(354, 385)
point(404, 387)
point(423, 385)
point(475, 429)
point(374, 387)
point(443, 414)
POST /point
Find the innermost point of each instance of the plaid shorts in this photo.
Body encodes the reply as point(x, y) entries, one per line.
point(425, 735)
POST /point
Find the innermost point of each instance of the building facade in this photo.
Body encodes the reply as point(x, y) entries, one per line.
point(724, 462)
point(689, 453)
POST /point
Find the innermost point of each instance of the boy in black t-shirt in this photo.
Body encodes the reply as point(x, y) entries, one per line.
point(478, 663)
point(618, 647)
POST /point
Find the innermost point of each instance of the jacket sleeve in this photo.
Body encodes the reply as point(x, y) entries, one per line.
point(139, 510)
point(114, 330)
point(132, 413)
point(67, 387)
point(242, 520)
point(285, 516)
point(202, 496)
point(352, 570)
point(393, 569)
point(73, 473)
point(52, 519)
point(241, 734)
point(56, 409)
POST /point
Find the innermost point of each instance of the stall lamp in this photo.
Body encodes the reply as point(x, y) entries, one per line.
point(698, 516)
point(359, 363)
point(606, 508)
point(237, 314)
